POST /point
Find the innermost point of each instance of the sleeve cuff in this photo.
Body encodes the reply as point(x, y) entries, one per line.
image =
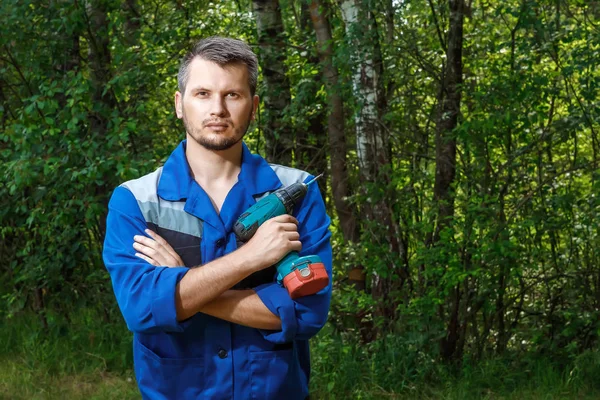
point(163, 305)
point(278, 301)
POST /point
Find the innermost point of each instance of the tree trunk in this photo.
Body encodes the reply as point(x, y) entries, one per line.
point(389, 21)
point(311, 146)
point(347, 214)
point(6, 111)
point(131, 26)
point(445, 168)
point(279, 138)
point(445, 154)
point(99, 59)
point(370, 141)
point(335, 124)
point(373, 149)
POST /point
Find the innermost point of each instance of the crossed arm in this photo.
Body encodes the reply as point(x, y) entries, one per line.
point(158, 298)
point(242, 307)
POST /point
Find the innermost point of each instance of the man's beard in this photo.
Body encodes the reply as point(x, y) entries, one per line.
point(221, 143)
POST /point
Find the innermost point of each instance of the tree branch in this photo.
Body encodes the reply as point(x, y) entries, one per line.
point(437, 26)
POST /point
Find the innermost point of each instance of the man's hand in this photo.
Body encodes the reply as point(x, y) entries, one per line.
point(206, 289)
point(156, 251)
point(272, 241)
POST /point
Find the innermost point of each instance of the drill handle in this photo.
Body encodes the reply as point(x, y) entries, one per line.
point(262, 211)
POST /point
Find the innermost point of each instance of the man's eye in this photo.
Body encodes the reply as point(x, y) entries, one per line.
point(201, 93)
point(234, 95)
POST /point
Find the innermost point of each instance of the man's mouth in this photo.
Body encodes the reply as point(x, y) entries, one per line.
point(217, 126)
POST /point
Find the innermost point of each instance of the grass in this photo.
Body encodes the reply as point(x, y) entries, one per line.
point(18, 380)
point(85, 358)
point(88, 358)
point(393, 369)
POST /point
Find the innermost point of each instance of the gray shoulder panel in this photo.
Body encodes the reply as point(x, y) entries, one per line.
point(171, 215)
point(144, 188)
point(165, 214)
point(288, 175)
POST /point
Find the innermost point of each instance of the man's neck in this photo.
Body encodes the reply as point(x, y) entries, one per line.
point(213, 168)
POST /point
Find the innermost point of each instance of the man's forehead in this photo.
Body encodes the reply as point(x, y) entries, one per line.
point(206, 74)
point(203, 66)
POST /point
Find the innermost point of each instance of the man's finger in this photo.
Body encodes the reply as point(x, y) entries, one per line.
point(165, 245)
point(293, 236)
point(146, 241)
point(148, 251)
point(146, 258)
point(156, 236)
point(296, 245)
point(286, 218)
point(290, 227)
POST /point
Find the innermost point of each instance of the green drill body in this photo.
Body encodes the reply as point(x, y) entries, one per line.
point(280, 202)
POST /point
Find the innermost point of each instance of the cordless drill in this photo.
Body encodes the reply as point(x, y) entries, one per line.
point(301, 276)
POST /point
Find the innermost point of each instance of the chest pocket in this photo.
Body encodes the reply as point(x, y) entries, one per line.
point(186, 245)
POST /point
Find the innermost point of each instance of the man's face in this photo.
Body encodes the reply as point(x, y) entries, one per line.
point(217, 105)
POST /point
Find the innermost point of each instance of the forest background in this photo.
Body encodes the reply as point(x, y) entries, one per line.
point(460, 145)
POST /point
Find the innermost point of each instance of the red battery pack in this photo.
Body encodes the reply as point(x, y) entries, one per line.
point(306, 281)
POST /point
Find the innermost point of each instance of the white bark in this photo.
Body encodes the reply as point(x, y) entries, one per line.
point(369, 140)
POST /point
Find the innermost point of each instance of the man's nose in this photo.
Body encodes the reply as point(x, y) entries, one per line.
point(218, 107)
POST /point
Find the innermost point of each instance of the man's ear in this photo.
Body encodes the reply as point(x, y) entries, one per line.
point(179, 104)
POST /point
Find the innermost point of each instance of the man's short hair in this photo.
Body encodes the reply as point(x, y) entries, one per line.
point(222, 51)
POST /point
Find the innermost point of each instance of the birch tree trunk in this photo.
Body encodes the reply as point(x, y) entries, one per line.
point(372, 147)
point(370, 143)
point(279, 138)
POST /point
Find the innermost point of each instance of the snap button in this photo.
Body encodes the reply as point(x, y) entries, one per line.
point(222, 353)
point(220, 243)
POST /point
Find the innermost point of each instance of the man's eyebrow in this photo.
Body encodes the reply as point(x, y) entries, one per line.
point(199, 88)
point(231, 89)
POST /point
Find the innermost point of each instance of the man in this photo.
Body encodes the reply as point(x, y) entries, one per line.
point(219, 327)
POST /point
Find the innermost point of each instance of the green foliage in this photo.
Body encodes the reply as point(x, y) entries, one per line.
point(513, 268)
point(513, 271)
point(90, 358)
point(395, 367)
point(84, 357)
point(67, 147)
point(87, 342)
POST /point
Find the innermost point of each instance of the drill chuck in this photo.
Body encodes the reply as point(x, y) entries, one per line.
point(290, 195)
